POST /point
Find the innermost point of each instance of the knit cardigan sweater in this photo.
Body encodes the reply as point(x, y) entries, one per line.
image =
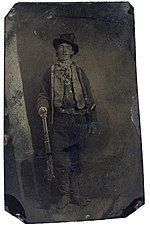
point(46, 95)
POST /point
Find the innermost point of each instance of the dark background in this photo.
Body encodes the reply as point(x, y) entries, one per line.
point(112, 162)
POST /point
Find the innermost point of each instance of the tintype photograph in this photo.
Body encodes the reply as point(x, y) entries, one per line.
point(72, 138)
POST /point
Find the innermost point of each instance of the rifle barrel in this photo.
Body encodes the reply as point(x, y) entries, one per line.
point(49, 172)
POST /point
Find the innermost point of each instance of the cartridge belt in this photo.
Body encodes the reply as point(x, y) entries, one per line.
point(71, 111)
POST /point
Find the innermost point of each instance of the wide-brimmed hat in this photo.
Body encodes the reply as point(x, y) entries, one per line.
point(66, 38)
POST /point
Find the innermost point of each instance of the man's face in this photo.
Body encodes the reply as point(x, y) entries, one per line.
point(64, 51)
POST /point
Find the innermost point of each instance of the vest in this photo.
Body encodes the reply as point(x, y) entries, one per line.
point(58, 86)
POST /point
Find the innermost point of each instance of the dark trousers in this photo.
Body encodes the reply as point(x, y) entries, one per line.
point(68, 136)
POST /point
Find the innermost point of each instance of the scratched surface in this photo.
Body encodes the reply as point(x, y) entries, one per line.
point(112, 174)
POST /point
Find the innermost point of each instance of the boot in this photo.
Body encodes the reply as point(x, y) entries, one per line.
point(76, 198)
point(79, 200)
point(63, 201)
point(64, 189)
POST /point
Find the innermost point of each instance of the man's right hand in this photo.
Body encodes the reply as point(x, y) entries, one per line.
point(42, 111)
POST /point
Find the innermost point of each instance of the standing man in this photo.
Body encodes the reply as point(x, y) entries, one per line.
point(66, 98)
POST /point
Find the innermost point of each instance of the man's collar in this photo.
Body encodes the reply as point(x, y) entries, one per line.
point(59, 63)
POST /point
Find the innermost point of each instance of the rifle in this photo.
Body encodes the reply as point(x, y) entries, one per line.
point(49, 172)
